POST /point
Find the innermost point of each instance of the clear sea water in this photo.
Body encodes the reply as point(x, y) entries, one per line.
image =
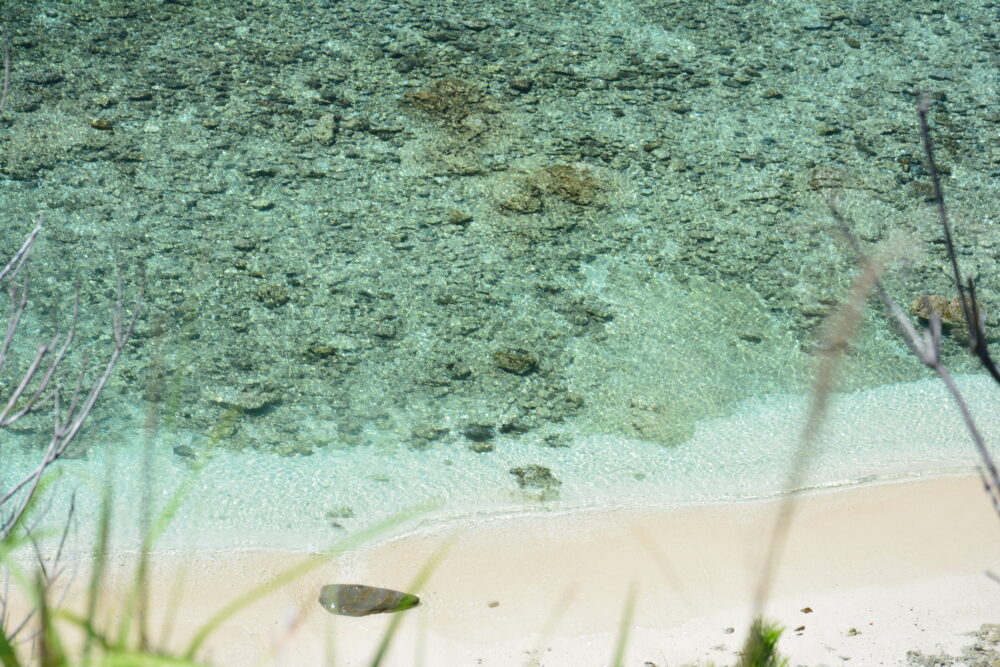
point(348, 213)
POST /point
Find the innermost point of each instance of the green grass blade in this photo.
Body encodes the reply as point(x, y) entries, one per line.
point(418, 582)
point(136, 598)
point(173, 605)
point(100, 558)
point(143, 659)
point(624, 626)
point(291, 575)
point(562, 606)
point(173, 505)
point(50, 649)
point(8, 657)
point(90, 630)
point(761, 646)
point(12, 542)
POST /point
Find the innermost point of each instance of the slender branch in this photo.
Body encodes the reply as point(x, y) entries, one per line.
point(22, 254)
point(926, 347)
point(67, 421)
point(966, 289)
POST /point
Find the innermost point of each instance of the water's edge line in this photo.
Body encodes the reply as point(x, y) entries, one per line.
point(448, 521)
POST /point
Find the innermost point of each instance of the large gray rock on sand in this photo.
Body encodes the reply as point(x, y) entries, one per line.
point(360, 600)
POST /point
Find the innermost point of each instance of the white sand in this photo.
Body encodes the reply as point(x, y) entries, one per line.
point(902, 564)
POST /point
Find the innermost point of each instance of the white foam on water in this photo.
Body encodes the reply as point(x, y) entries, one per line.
point(258, 500)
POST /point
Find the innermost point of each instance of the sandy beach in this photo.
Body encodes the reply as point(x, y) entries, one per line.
point(882, 569)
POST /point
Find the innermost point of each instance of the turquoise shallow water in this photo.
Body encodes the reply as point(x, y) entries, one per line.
point(257, 501)
point(347, 216)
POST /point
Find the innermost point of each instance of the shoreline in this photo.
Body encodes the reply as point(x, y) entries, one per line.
point(885, 568)
point(549, 511)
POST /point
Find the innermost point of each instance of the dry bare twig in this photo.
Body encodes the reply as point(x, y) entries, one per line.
point(926, 346)
point(33, 388)
point(38, 383)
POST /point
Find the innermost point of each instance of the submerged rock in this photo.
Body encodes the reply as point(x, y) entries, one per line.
point(538, 481)
point(515, 360)
point(361, 600)
point(951, 313)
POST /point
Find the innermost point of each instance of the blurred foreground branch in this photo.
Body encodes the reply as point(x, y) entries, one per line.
point(925, 345)
point(41, 383)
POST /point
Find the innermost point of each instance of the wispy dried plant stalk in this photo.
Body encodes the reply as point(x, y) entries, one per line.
point(842, 326)
point(925, 345)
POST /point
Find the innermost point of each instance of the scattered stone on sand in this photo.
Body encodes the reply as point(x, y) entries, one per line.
point(989, 632)
point(361, 600)
point(982, 653)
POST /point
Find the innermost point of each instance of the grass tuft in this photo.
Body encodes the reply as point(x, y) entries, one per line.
point(761, 646)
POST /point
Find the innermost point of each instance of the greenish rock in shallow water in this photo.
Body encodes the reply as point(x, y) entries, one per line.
point(516, 361)
point(361, 600)
point(538, 481)
point(534, 476)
